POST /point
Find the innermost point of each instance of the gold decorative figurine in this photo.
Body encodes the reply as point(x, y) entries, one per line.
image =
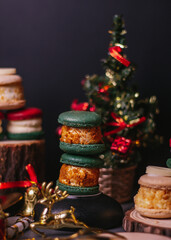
point(48, 220)
point(32, 195)
point(2, 223)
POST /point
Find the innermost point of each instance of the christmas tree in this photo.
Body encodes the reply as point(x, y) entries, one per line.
point(127, 120)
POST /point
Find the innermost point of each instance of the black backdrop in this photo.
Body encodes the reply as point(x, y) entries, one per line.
point(54, 43)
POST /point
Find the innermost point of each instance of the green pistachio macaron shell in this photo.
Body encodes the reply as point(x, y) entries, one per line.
point(82, 149)
point(25, 136)
point(168, 162)
point(78, 190)
point(82, 161)
point(79, 119)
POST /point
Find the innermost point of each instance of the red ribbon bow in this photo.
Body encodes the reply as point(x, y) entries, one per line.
point(22, 184)
point(114, 52)
point(121, 124)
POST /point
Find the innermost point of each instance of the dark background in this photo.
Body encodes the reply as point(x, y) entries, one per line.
point(54, 44)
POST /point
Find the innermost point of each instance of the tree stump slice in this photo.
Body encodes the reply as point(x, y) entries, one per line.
point(15, 155)
point(134, 222)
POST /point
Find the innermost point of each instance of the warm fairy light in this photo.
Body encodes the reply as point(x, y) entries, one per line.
point(152, 99)
point(106, 87)
point(124, 32)
point(137, 142)
point(132, 102)
point(113, 83)
point(118, 98)
point(157, 111)
point(102, 156)
point(134, 121)
point(109, 73)
point(118, 105)
point(110, 31)
point(126, 117)
point(119, 45)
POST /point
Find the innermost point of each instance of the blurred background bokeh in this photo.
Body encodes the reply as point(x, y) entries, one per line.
point(54, 44)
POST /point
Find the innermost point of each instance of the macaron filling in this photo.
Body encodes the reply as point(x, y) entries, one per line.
point(78, 176)
point(11, 88)
point(86, 135)
point(12, 92)
point(25, 126)
point(152, 198)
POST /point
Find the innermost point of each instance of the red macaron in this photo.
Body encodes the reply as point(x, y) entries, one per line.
point(27, 113)
point(1, 115)
point(25, 124)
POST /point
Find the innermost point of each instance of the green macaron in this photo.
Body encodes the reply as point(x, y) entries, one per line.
point(79, 119)
point(78, 190)
point(25, 136)
point(168, 162)
point(82, 149)
point(82, 161)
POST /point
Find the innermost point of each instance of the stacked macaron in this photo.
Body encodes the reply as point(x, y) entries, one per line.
point(81, 139)
point(81, 133)
point(1, 130)
point(11, 90)
point(25, 124)
point(154, 196)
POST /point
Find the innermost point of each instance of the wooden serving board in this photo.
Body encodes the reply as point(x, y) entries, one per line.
point(143, 236)
point(135, 236)
point(134, 222)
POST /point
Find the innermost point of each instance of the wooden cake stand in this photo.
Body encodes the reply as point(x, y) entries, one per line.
point(134, 222)
point(15, 155)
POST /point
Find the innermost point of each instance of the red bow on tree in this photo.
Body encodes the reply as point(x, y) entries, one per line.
point(121, 124)
point(114, 52)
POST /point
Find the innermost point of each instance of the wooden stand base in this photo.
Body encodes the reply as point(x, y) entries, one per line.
point(134, 222)
point(15, 155)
